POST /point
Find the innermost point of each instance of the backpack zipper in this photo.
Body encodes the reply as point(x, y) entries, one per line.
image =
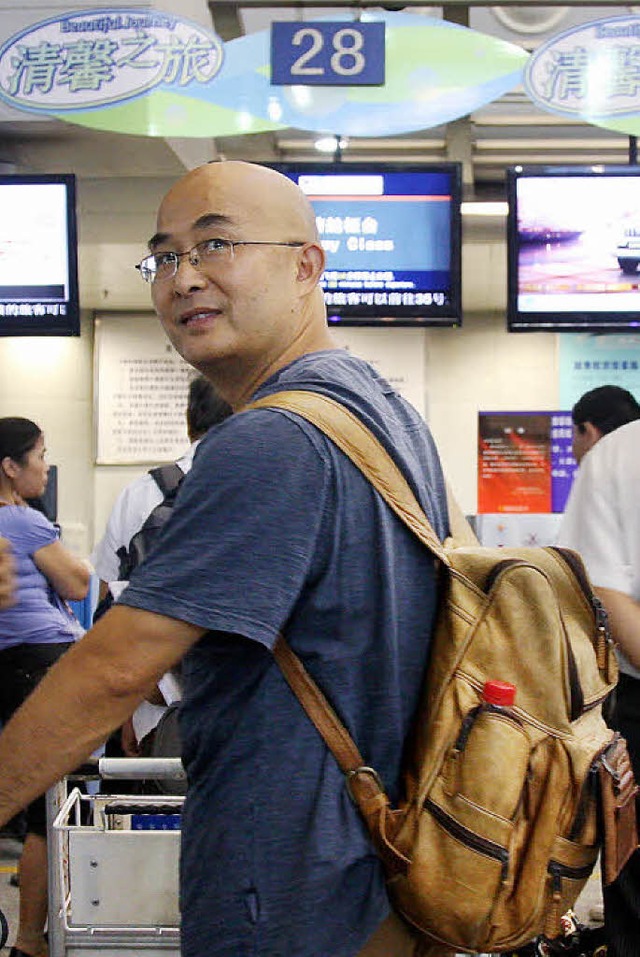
point(480, 844)
point(588, 794)
point(557, 870)
point(603, 630)
point(497, 569)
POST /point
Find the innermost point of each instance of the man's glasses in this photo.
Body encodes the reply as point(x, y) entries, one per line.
point(159, 267)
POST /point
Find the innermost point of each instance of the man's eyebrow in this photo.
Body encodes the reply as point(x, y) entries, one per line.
point(157, 239)
point(203, 222)
point(212, 219)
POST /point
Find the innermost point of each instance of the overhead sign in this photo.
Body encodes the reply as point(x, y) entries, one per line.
point(103, 57)
point(322, 53)
point(590, 72)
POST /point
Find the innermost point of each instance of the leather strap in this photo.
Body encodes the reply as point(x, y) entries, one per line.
point(367, 453)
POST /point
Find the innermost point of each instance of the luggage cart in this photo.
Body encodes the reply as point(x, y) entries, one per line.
point(113, 864)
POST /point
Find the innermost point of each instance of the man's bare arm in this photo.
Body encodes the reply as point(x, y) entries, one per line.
point(624, 621)
point(88, 693)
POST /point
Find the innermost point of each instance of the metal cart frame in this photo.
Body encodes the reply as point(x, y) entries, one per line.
point(113, 888)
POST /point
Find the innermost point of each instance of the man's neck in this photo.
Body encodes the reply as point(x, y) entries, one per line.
point(237, 386)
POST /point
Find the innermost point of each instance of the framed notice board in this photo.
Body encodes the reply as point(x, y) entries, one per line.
point(140, 392)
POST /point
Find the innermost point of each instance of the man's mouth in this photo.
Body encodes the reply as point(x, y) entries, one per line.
point(197, 317)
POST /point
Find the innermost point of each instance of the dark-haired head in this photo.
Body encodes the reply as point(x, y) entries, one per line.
point(607, 407)
point(18, 437)
point(205, 408)
point(598, 412)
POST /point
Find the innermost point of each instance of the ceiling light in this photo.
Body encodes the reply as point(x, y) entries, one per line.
point(484, 209)
point(330, 144)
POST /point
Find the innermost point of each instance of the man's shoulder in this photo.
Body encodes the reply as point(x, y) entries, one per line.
point(615, 454)
point(626, 439)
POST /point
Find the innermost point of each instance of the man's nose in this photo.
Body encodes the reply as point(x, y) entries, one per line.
point(189, 275)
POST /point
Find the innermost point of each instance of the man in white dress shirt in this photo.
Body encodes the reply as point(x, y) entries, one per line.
point(602, 523)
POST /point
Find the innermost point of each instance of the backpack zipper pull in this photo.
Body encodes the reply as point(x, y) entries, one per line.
point(603, 635)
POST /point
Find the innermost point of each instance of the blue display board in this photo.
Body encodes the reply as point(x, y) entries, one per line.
point(322, 53)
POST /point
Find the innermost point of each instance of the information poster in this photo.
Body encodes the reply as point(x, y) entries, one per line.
point(141, 394)
point(588, 360)
point(525, 465)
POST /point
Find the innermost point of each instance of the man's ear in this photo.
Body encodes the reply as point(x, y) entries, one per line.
point(311, 263)
point(592, 434)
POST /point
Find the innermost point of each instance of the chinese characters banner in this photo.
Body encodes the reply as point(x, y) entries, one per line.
point(525, 463)
point(588, 360)
point(143, 71)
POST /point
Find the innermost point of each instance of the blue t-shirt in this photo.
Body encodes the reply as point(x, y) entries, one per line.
point(37, 616)
point(275, 530)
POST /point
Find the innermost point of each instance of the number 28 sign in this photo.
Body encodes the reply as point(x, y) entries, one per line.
point(344, 53)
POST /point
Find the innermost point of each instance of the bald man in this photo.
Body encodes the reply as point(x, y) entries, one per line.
point(289, 537)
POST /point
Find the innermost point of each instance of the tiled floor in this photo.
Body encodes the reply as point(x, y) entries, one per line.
point(10, 852)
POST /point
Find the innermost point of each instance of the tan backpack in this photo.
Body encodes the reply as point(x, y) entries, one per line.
point(500, 825)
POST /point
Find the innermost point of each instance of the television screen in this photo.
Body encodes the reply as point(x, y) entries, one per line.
point(573, 237)
point(38, 256)
point(392, 237)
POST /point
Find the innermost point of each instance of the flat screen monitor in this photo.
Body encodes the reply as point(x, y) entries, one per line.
point(392, 237)
point(38, 256)
point(573, 237)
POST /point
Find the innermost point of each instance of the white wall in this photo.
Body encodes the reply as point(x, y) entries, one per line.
point(477, 367)
point(481, 367)
point(49, 380)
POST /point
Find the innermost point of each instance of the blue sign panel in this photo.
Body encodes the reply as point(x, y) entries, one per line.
point(344, 53)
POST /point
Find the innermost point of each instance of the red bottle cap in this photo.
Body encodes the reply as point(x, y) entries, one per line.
point(499, 692)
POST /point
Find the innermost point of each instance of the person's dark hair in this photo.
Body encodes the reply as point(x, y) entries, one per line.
point(205, 407)
point(17, 437)
point(607, 407)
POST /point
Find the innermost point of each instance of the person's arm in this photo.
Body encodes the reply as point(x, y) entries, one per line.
point(128, 739)
point(624, 621)
point(7, 580)
point(88, 693)
point(70, 576)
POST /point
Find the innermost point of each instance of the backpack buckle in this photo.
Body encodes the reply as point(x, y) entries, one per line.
point(371, 772)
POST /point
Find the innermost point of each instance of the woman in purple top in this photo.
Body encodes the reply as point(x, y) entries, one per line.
point(34, 632)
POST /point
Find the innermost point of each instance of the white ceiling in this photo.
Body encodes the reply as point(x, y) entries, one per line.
point(510, 130)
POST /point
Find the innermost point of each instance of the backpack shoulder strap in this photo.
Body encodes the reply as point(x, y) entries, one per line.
point(357, 442)
point(366, 452)
point(167, 477)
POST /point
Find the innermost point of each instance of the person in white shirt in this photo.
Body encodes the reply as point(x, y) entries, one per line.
point(132, 508)
point(602, 523)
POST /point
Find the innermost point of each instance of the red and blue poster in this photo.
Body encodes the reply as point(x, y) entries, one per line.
point(525, 463)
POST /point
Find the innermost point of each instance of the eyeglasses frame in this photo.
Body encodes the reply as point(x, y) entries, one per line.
point(195, 260)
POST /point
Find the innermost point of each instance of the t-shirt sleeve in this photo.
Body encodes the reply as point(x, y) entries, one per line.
point(36, 530)
point(591, 526)
point(241, 540)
